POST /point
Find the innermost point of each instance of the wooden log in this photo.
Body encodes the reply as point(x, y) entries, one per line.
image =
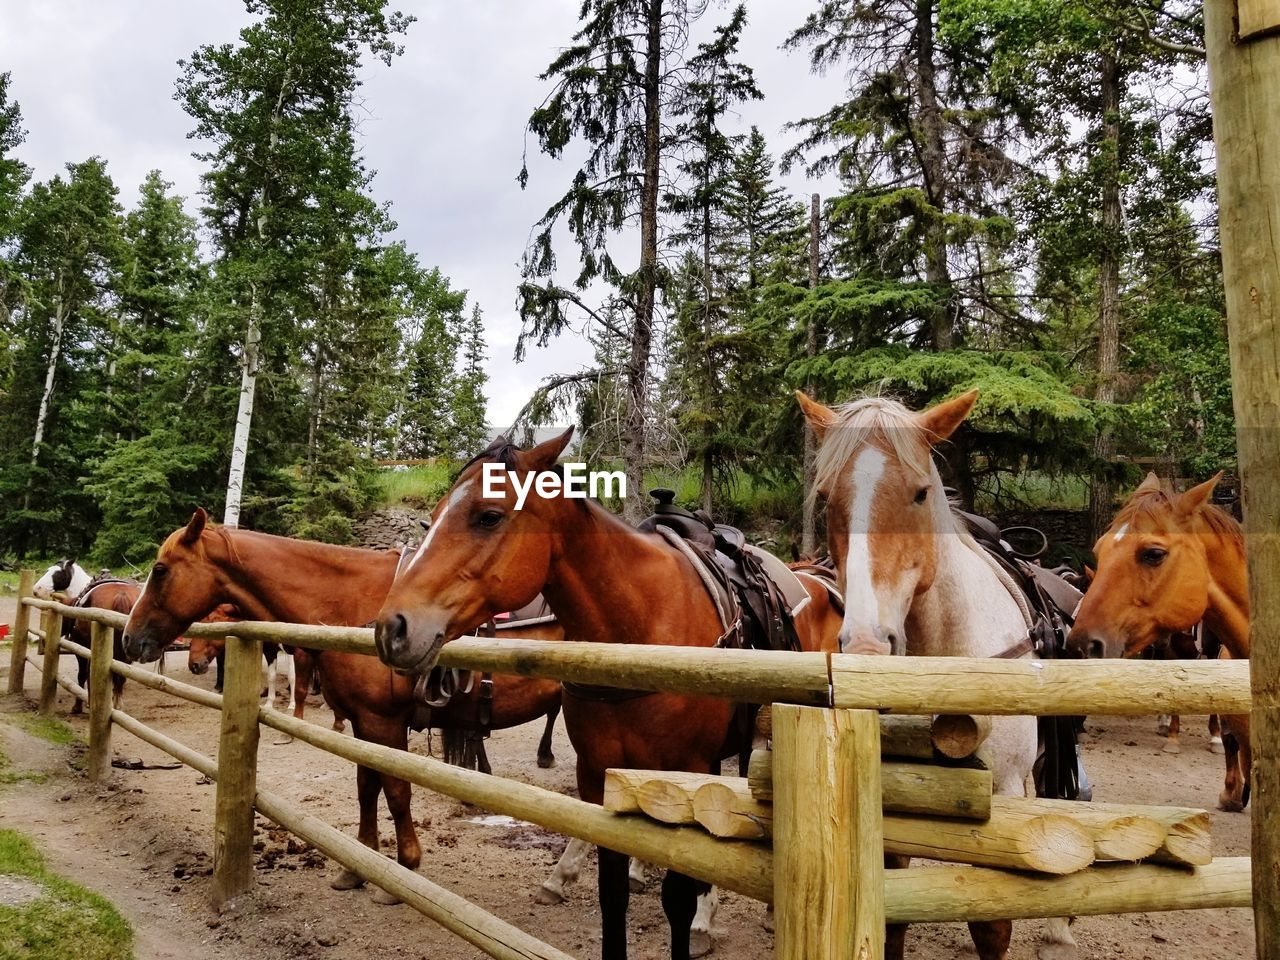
point(943, 894)
point(1049, 843)
point(1244, 86)
point(919, 788)
point(237, 772)
point(955, 736)
point(745, 868)
point(828, 884)
point(726, 810)
point(1039, 687)
point(664, 795)
point(21, 625)
point(77, 691)
point(1119, 833)
point(959, 735)
point(100, 701)
point(51, 622)
point(476, 926)
point(1187, 840)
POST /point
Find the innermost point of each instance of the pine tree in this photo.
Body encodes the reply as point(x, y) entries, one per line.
point(471, 430)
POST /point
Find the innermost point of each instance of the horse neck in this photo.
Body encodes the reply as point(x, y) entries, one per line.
point(300, 581)
point(967, 611)
point(611, 582)
point(1228, 612)
point(79, 580)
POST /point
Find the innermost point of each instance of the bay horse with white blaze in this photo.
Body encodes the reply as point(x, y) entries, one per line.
point(202, 566)
point(604, 581)
point(916, 582)
point(1167, 564)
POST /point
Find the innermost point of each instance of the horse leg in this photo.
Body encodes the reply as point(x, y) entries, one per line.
point(991, 937)
point(1215, 734)
point(1057, 943)
point(408, 850)
point(1163, 724)
point(565, 873)
point(680, 903)
point(482, 755)
point(271, 682)
point(1232, 796)
point(615, 895)
point(117, 691)
point(1175, 727)
point(636, 877)
point(1240, 726)
point(305, 671)
point(220, 662)
point(292, 674)
point(895, 934)
point(700, 941)
point(368, 786)
point(82, 678)
point(547, 759)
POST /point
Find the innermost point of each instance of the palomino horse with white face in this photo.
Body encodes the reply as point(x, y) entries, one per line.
point(202, 566)
point(604, 581)
point(1168, 563)
point(914, 580)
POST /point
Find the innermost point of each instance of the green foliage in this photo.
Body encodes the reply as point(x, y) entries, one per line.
point(333, 490)
point(63, 914)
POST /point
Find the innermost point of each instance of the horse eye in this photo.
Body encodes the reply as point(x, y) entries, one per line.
point(1153, 556)
point(922, 495)
point(158, 571)
point(490, 518)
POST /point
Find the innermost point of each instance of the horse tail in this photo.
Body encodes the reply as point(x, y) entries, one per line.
point(454, 740)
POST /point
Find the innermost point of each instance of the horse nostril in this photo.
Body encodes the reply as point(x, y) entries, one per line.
point(390, 633)
point(1097, 649)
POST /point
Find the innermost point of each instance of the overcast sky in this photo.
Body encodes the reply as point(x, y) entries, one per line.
point(444, 125)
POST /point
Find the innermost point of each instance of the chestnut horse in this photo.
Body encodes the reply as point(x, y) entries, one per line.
point(1167, 563)
point(916, 582)
point(604, 581)
point(201, 566)
point(208, 650)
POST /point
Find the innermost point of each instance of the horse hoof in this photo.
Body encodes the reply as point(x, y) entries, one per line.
point(700, 943)
point(637, 886)
point(1172, 747)
point(546, 763)
point(1230, 804)
point(1058, 951)
point(548, 897)
point(1215, 746)
point(383, 897)
point(767, 922)
point(346, 880)
point(339, 726)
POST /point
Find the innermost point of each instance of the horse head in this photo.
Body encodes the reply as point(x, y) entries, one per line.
point(1153, 576)
point(65, 576)
point(482, 555)
point(885, 507)
point(182, 588)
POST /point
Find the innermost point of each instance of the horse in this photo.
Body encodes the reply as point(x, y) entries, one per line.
point(65, 576)
point(1184, 646)
point(1168, 563)
point(201, 566)
point(206, 650)
point(118, 596)
point(604, 581)
point(916, 582)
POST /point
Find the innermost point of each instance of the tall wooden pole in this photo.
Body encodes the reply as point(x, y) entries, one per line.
point(1244, 82)
point(237, 773)
point(102, 637)
point(813, 338)
point(51, 622)
point(21, 625)
point(828, 837)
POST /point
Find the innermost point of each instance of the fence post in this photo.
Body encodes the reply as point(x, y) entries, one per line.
point(51, 623)
point(21, 624)
point(828, 834)
point(103, 644)
point(237, 772)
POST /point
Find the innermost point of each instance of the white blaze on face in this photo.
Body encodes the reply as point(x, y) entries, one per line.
point(861, 607)
point(1124, 528)
point(454, 497)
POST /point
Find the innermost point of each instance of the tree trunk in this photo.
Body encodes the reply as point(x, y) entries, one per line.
point(634, 437)
point(244, 415)
point(1102, 491)
point(50, 374)
point(708, 363)
point(313, 418)
point(809, 518)
point(933, 168)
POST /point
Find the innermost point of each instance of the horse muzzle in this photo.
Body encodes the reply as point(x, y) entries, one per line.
point(142, 647)
point(408, 642)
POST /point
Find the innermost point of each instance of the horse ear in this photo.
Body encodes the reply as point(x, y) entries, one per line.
point(1198, 496)
point(196, 527)
point(1150, 484)
point(820, 418)
point(943, 419)
point(545, 454)
point(1090, 572)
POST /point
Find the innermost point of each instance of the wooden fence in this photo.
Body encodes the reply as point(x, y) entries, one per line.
point(824, 873)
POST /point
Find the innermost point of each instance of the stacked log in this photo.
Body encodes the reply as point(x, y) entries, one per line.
point(936, 794)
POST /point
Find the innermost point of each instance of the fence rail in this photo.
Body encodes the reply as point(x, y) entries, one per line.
point(808, 842)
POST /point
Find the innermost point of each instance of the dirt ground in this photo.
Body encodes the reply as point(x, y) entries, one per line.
point(145, 841)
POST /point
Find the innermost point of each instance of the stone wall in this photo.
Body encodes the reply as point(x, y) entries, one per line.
point(389, 527)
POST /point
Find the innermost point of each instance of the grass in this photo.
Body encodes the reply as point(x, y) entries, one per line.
point(8, 775)
point(46, 728)
point(66, 920)
point(426, 483)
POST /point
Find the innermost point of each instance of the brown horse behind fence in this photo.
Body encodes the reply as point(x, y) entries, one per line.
point(296, 581)
point(114, 595)
point(604, 581)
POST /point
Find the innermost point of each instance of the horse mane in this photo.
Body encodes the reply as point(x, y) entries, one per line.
point(1151, 503)
point(881, 421)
